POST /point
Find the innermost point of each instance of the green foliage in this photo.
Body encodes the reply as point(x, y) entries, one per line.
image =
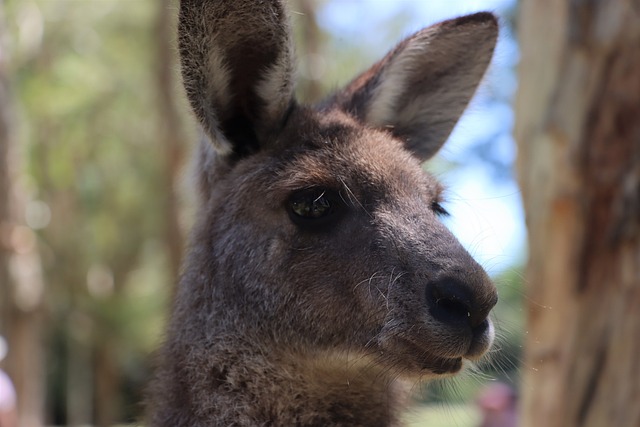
point(90, 133)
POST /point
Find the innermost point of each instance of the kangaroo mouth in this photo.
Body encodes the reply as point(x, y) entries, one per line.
point(414, 358)
point(443, 366)
point(423, 352)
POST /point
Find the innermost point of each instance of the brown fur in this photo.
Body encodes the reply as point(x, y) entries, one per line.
point(277, 323)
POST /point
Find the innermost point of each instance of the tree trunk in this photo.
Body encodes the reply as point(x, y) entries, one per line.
point(311, 40)
point(108, 384)
point(578, 132)
point(170, 132)
point(21, 282)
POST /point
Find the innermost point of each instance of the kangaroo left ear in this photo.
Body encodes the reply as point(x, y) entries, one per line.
point(420, 89)
point(237, 67)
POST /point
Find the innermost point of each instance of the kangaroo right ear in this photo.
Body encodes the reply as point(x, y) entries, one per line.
point(420, 89)
point(237, 68)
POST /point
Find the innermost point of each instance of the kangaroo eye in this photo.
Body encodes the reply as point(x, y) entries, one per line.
point(313, 207)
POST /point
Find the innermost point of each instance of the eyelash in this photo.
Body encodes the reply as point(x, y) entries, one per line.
point(439, 210)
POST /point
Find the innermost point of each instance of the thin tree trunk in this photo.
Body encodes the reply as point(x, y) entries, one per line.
point(578, 132)
point(107, 368)
point(79, 380)
point(21, 282)
point(108, 383)
point(170, 132)
point(5, 185)
point(311, 42)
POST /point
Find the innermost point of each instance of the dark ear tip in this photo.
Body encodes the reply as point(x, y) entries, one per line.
point(486, 18)
point(481, 24)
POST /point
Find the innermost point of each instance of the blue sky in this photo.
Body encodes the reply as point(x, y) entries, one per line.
point(486, 212)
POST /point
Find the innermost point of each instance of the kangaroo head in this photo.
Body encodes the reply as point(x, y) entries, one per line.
point(319, 231)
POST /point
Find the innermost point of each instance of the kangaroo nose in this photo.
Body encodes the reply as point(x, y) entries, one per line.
point(452, 302)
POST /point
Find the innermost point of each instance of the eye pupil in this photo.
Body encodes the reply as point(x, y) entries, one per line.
point(314, 209)
point(311, 205)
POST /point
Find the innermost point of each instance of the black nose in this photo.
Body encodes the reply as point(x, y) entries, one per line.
point(457, 304)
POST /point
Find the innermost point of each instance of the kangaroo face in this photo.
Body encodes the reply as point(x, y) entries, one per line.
point(319, 230)
point(318, 271)
point(336, 240)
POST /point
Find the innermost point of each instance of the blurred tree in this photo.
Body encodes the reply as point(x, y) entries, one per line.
point(310, 41)
point(170, 134)
point(578, 130)
point(21, 281)
point(93, 142)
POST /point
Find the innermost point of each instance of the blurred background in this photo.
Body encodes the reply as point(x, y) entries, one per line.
point(97, 135)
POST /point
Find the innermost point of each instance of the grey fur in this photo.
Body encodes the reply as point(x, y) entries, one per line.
point(275, 324)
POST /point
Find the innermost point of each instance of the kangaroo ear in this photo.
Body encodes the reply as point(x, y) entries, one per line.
point(237, 68)
point(420, 89)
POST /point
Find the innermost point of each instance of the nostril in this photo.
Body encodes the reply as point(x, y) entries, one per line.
point(450, 302)
point(456, 309)
point(454, 302)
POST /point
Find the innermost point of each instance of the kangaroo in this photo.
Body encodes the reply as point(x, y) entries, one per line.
point(319, 279)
